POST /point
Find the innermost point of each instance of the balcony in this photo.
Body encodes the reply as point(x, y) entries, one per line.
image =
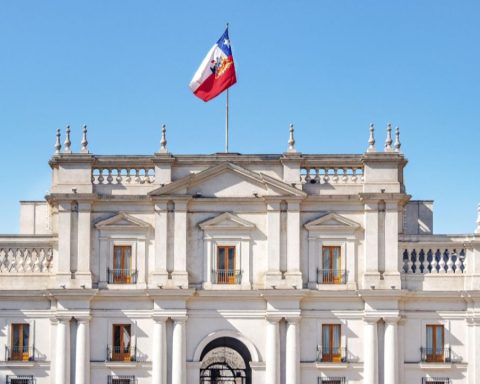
point(122, 276)
point(121, 379)
point(437, 355)
point(19, 353)
point(332, 355)
point(331, 276)
point(223, 276)
point(121, 353)
point(20, 379)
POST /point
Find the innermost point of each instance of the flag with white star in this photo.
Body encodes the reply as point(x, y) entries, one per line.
point(216, 72)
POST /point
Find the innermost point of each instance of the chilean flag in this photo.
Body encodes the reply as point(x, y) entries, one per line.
point(217, 71)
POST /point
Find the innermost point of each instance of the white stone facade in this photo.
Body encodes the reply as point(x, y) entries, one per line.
point(286, 269)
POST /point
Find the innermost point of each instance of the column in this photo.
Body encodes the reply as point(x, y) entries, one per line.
point(160, 275)
point(390, 351)
point(392, 258)
point(272, 352)
point(83, 275)
point(371, 275)
point(293, 275)
point(370, 351)
point(159, 353)
point(292, 361)
point(179, 366)
point(273, 275)
point(82, 353)
point(179, 274)
point(62, 355)
point(64, 242)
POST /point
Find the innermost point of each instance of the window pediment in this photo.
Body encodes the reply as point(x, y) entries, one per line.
point(122, 221)
point(332, 222)
point(227, 221)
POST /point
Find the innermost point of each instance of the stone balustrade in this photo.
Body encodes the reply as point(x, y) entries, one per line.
point(26, 256)
point(427, 259)
point(331, 175)
point(112, 175)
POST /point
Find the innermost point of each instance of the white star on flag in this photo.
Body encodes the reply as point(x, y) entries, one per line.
point(226, 42)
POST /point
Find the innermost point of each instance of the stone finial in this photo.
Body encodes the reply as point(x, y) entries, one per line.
point(478, 220)
point(371, 139)
point(388, 140)
point(291, 141)
point(84, 143)
point(163, 141)
point(397, 140)
point(58, 145)
point(67, 144)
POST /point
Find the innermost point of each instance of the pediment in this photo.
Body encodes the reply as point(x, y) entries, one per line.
point(228, 180)
point(227, 221)
point(122, 220)
point(332, 221)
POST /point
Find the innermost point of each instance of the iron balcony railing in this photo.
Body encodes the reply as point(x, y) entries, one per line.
point(436, 355)
point(227, 276)
point(20, 379)
point(332, 380)
point(331, 355)
point(19, 353)
point(121, 353)
point(331, 276)
point(121, 380)
point(122, 276)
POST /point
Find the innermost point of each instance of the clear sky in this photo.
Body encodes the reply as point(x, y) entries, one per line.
point(330, 67)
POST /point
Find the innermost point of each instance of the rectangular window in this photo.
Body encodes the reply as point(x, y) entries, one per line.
point(20, 379)
point(332, 380)
point(121, 379)
point(331, 343)
point(331, 265)
point(19, 342)
point(122, 272)
point(226, 273)
point(435, 352)
point(121, 345)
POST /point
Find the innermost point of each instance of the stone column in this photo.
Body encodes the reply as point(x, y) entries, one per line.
point(292, 361)
point(82, 353)
point(62, 352)
point(83, 274)
point(159, 274)
point(179, 366)
point(179, 274)
point(64, 243)
point(390, 351)
point(273, 277)
point(293, 276)
point(272, 352)
point(371, 246)
point(159, 353)
point(370, 351)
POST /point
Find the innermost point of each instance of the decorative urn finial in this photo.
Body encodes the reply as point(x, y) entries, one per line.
point(84, 143)
point(397, 140)
point(388, 140)
point(58, 145)
point(291, 140)
point(67, 144)
point(163, 141)
point(371, 139)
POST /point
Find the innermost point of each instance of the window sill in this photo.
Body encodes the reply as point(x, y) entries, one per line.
point(24, 364)
point(331, 365)
point(121, 364)
point(227, 287)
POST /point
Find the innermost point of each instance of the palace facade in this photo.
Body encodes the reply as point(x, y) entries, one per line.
point(236, 269)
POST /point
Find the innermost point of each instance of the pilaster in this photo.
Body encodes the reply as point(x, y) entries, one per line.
point(159, 276)
point(293, 276)
point(273, 276)
point(179, 274)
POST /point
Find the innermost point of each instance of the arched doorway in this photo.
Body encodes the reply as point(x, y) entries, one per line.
point(225, 361)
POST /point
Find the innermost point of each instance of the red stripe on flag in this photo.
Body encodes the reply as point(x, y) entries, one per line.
point(212, 86)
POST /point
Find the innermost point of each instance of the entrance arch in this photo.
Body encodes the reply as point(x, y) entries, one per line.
point(225, 360)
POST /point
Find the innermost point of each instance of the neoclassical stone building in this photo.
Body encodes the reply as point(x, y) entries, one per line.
point(229, 268)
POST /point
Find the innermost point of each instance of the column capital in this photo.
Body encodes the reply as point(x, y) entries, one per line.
point(179, 319)
point(371, 319)
point(62, 318)
point(83, 319)
point(160, 318)
point(392, 320)
point(293, 319)
point(273, 318)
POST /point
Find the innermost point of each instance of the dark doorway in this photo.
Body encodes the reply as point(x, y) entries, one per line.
point(225, 361)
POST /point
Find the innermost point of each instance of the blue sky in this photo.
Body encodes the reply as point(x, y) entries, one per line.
point(330, 67)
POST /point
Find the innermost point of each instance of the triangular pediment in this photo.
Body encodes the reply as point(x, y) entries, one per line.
point(228, 180)
point(227, 221)
point(332, 221)
point(122, 220)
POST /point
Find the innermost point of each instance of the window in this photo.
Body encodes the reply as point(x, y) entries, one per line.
point(121, 379)
point(331, 272)
point(434, 351)
point(332, 380)
point(19, 342)
point(20, 379)
point(121, 345)
point(226, 262)
point(435, 380)
point(331, 344)
point(122, 272)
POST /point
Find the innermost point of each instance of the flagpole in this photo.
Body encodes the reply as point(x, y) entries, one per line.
point(226, 127)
